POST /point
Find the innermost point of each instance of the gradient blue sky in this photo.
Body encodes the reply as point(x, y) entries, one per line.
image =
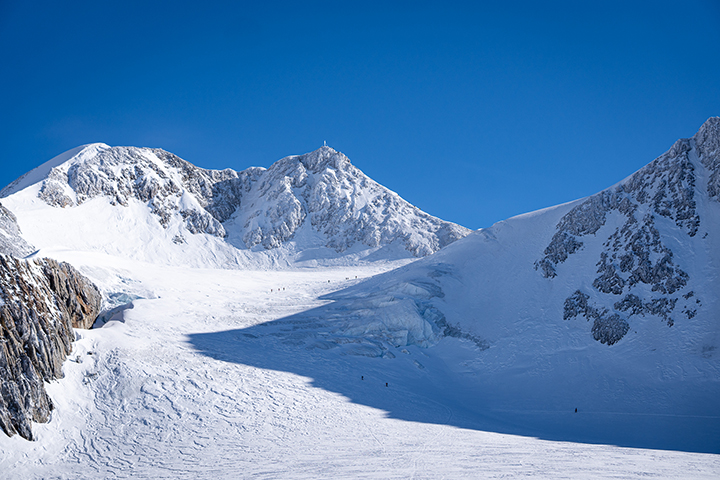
point(473, 111)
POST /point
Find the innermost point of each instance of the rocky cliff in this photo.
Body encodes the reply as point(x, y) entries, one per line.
point(637, 268)
point(11, 241)
point(41, 301)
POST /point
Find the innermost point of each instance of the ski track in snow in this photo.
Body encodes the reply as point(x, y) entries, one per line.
point(140, 401)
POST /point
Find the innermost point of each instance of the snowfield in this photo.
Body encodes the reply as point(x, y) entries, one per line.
point(278, 324)
point(182, 386)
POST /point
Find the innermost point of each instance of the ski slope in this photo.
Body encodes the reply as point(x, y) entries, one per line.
point(175, 387)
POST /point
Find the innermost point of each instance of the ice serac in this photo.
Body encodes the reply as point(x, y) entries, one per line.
point(11, 240)
point(41, 301)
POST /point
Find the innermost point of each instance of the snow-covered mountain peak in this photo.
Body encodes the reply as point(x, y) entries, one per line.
point(709, 131)
point(311, 201)
point(74, 155)
point(322, 192)
point(322, 158)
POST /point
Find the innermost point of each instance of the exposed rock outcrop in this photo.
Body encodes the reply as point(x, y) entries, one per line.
point(40, 303)
point(635, 256)
point(11, 241)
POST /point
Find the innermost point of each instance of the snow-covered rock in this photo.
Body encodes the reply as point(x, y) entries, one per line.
point(637, 251)
point(11, 240)
point(313, 201)
point(41, 301)
point(597, 302)
point(156, 178)
point(324, 190)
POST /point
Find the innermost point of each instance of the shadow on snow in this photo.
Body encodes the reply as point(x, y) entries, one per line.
point(417, 384)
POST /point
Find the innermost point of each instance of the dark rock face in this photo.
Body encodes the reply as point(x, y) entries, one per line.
point(635, 254)
point(11, 241)
point(607, 327)
point(40, 303)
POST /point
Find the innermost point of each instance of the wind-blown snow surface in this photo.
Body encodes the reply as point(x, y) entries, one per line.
point(188, 383)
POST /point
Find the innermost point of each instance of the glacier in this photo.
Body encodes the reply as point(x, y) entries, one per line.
point(263, 332)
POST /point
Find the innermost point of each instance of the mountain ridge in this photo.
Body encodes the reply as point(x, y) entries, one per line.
point(319, 198)
point(595, 302)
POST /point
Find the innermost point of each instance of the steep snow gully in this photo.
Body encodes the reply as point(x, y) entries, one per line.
point(279, 323)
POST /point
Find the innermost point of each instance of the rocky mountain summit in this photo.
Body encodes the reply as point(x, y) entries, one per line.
point(41, 301)
point(315, 200)
point(168, 185)
point(637, 270)
point(323, 189)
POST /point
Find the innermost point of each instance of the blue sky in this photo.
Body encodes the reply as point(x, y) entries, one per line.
point(473, 111)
